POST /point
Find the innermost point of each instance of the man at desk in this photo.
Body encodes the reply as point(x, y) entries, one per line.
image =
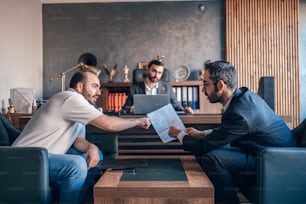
point(152, 85)
point(60, 124)
point(248, 124)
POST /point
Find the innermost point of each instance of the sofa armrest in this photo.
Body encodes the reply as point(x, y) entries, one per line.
point(107, 143)
point(281, 175)
point(24, 175)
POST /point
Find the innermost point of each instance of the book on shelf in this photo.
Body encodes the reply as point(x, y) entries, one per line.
point(116, 101)
point(179, 94)
point(187, 96)
point(184, 96)
point(123, 100)
point(109, 102)
point(195, 98)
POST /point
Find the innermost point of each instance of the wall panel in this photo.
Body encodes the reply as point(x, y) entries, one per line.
point(262, 39)
point(128, 33)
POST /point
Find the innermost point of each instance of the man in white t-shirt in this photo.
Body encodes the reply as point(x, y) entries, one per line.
point(60, 124)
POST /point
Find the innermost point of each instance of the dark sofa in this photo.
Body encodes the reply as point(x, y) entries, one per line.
point(24, 171)
point(24, 176)
point(281, 173)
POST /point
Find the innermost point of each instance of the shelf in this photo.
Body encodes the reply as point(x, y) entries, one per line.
point(120, 87)
point(186, 83)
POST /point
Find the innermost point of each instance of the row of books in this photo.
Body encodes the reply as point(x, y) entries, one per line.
point(116, 101)
point(188, 96)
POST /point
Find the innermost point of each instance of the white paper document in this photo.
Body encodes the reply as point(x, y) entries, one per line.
point(162, 119)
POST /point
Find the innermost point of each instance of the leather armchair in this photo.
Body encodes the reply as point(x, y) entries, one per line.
point(281, 173)
point(24, 176)
point(107, 143)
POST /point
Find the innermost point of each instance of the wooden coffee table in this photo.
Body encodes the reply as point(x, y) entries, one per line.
point(175, 180)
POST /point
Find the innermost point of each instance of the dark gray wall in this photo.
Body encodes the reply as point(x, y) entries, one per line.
point(126, 33)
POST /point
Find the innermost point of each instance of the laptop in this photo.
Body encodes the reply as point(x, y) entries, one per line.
point(144, 104)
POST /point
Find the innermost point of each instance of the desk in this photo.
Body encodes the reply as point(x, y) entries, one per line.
point(115, 187)
point(18, 120)
point(137, 142)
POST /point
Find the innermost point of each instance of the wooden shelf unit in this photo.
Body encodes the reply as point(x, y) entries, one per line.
point(204, 105)
point(111, 87)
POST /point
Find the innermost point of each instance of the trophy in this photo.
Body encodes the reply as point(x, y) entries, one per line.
point(112, 72)
point(126, 73)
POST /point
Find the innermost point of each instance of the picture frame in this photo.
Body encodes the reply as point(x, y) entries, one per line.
point(143, 65)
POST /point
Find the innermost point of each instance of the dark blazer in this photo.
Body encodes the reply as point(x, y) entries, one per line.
point(248, 123)
point(163, 88)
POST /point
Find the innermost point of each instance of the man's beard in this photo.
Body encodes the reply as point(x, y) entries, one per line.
point(153, 80)
point(214, 97)
point(89, 98)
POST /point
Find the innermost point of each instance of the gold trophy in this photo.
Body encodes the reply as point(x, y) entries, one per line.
point(126, 73)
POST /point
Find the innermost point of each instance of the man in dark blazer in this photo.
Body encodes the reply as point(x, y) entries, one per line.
point(152, 85)
point(227, 153)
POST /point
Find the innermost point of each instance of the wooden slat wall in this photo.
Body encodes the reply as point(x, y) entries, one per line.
point(262, 39)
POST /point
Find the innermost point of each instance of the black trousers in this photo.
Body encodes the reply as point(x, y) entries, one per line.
point(228, 168)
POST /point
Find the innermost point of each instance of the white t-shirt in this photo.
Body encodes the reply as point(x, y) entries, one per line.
point(57, 123)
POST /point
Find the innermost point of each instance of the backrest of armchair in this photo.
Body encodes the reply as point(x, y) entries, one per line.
point(140, 74)
point(24, 175)
point(8, 133)
point(300, 134)
point(281, 175)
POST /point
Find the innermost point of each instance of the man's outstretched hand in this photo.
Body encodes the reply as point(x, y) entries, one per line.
point(144, 122)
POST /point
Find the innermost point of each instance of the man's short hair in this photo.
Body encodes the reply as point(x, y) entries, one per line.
point(155, 62)
point(222, 70)
point(80, 76)
point(76, 78)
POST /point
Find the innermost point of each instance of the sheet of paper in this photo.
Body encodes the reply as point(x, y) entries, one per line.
point(162, 119)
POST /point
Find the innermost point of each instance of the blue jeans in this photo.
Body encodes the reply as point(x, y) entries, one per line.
point(227, 167)
point(70, 175)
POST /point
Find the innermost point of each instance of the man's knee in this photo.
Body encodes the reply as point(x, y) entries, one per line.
point(78, 167)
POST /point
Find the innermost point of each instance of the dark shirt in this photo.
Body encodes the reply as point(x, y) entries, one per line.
point(163, 88)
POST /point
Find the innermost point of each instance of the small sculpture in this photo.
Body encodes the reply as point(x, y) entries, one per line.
point(111, 73)
point(126, 73)
point(160, 57)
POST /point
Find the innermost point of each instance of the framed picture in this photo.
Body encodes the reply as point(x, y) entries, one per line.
point(143, 65)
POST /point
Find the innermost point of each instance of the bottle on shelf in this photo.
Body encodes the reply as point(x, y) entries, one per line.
point(3, 110)
point(34, 106)
point(11, 108)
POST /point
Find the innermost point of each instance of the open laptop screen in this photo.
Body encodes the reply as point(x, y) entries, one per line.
point(144, 104)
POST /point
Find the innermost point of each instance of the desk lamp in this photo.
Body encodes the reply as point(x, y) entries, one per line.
point(62, 74)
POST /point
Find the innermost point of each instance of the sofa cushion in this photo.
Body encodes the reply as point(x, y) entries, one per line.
point(300, 134)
